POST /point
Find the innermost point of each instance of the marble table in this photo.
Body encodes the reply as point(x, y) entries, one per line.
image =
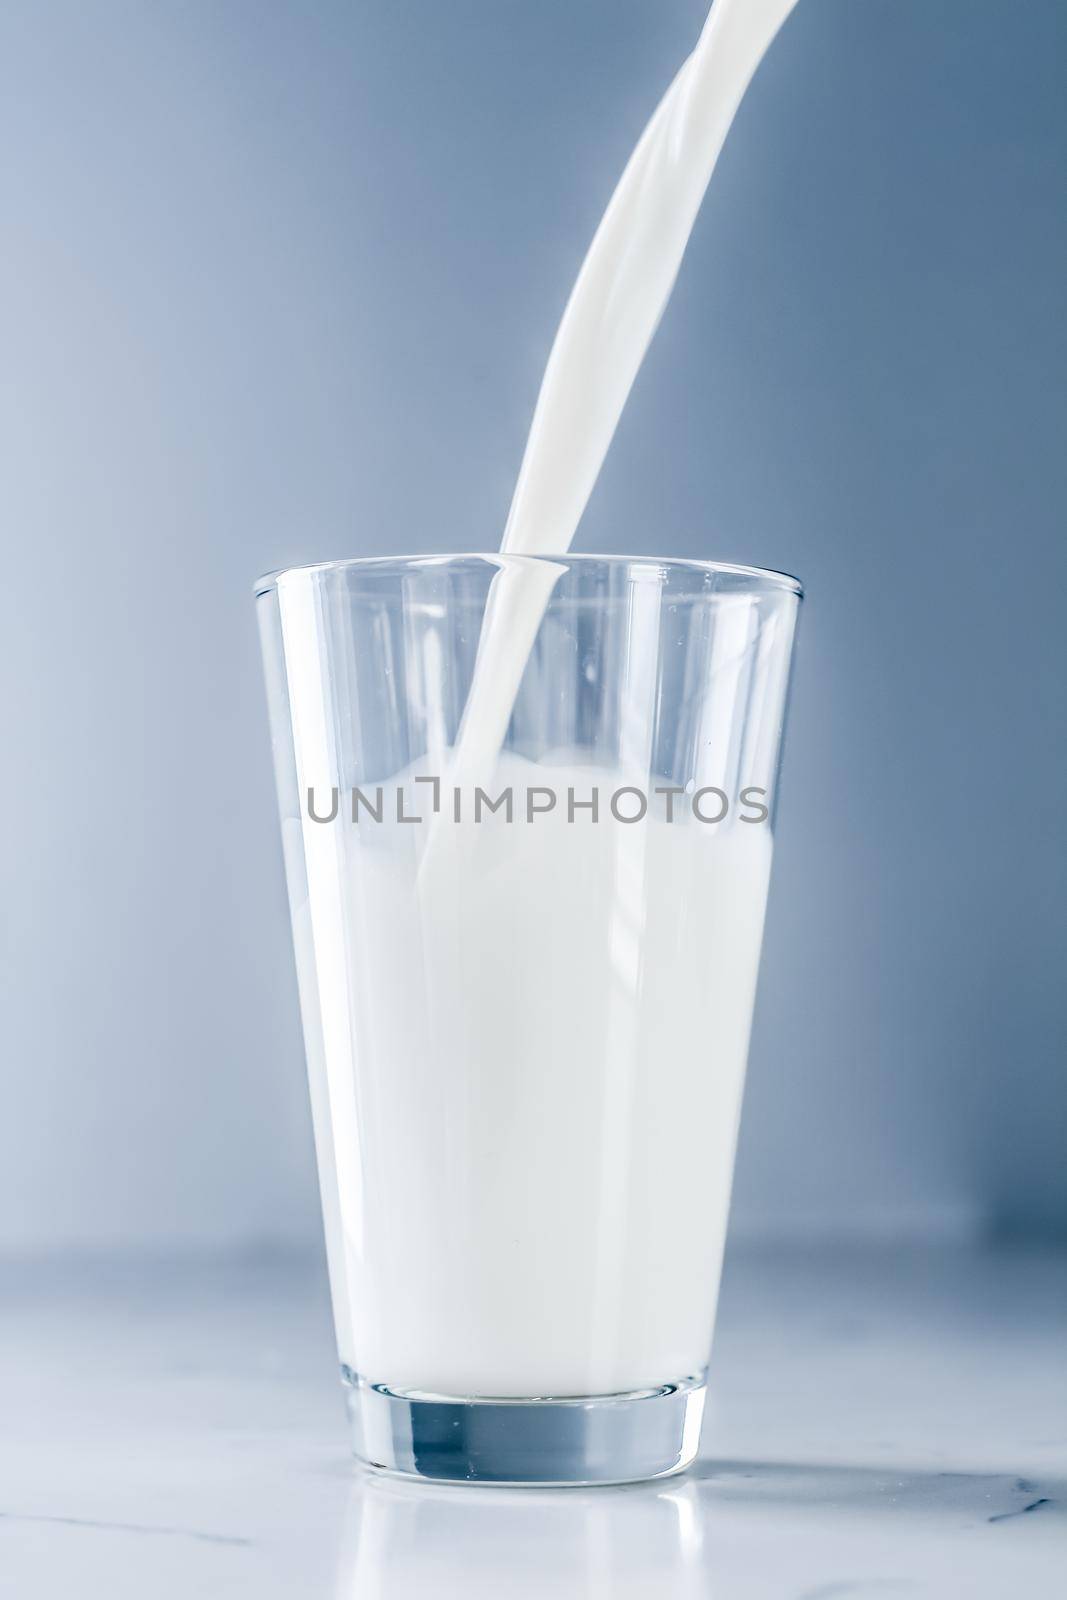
point(887, 1422)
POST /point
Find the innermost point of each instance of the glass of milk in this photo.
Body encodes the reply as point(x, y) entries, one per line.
point(527, 808)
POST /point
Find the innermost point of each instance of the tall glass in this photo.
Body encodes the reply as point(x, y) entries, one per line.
point(527, 809)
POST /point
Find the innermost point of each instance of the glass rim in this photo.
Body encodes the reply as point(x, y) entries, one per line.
point(761, 577)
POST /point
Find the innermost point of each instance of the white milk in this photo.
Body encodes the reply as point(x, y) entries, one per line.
point(526, 1156)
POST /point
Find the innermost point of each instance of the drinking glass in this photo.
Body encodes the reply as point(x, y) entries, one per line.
point(527, 812)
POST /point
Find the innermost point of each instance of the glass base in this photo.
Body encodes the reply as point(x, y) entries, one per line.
point(611, 1438)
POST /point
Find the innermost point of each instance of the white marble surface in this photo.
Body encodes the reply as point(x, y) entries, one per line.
point(882, 1425)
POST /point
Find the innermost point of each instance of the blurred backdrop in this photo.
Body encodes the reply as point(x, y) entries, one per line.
point(277, 283)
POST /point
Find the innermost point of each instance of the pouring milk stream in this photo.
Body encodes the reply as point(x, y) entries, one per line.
point(610, 319)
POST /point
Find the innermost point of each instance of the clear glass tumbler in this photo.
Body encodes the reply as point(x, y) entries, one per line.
point(527, 810)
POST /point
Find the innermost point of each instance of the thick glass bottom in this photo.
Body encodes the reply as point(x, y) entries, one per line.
point(611, 1438)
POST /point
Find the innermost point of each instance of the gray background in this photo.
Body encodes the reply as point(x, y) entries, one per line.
point(277, 283)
